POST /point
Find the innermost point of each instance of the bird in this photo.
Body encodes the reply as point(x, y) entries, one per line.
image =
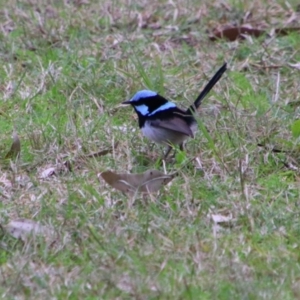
point(162, 122)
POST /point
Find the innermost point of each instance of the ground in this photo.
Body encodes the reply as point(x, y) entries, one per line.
point(226, 227)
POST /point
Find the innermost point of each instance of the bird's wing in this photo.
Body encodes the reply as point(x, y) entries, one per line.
point(175, 124)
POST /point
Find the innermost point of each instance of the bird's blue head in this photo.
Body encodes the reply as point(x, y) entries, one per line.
point(147, 103)
point(142, 95)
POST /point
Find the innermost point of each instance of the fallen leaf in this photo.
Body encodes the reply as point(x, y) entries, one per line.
point(15, 148)
point(286, 30)
point(48, 172)
point(5, 186)
point(148, 182)
point(103, 152)
point(296, 66)
point(5, 182)
point(125, 284)
point(81, 2)
point(24, 228)
point(291, 166)
point(221, 219)
point(233, 33)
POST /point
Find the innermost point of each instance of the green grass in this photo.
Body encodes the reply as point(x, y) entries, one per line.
point(65, 69)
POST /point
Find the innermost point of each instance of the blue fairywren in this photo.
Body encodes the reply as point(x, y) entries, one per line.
point(162, 121)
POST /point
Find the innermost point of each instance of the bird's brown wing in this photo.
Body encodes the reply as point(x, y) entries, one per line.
point(175, 124)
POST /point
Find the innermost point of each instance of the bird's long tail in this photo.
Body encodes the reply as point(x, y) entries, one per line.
point(207, 89)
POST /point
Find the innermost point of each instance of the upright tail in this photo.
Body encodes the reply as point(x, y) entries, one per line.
point(207, 89)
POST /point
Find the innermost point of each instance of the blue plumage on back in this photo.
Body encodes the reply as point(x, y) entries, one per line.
point(163, 107)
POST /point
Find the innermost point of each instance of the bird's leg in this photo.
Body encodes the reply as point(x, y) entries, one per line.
point(152, 146)
point(169, 148)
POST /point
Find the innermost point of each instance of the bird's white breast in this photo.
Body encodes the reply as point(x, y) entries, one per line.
point(164, 136)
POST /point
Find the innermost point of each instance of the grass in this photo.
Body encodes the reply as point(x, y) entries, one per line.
point(65, 69)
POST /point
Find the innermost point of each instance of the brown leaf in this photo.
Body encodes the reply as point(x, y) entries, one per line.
point(233, 33)
point(15, 148)
point(286, 30)
point(103, 152)
point(80, 2)
point(100, 153)
point(148, 182)
point(24, 228)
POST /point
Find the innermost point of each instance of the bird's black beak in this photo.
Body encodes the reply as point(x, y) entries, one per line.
point(126, 102)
